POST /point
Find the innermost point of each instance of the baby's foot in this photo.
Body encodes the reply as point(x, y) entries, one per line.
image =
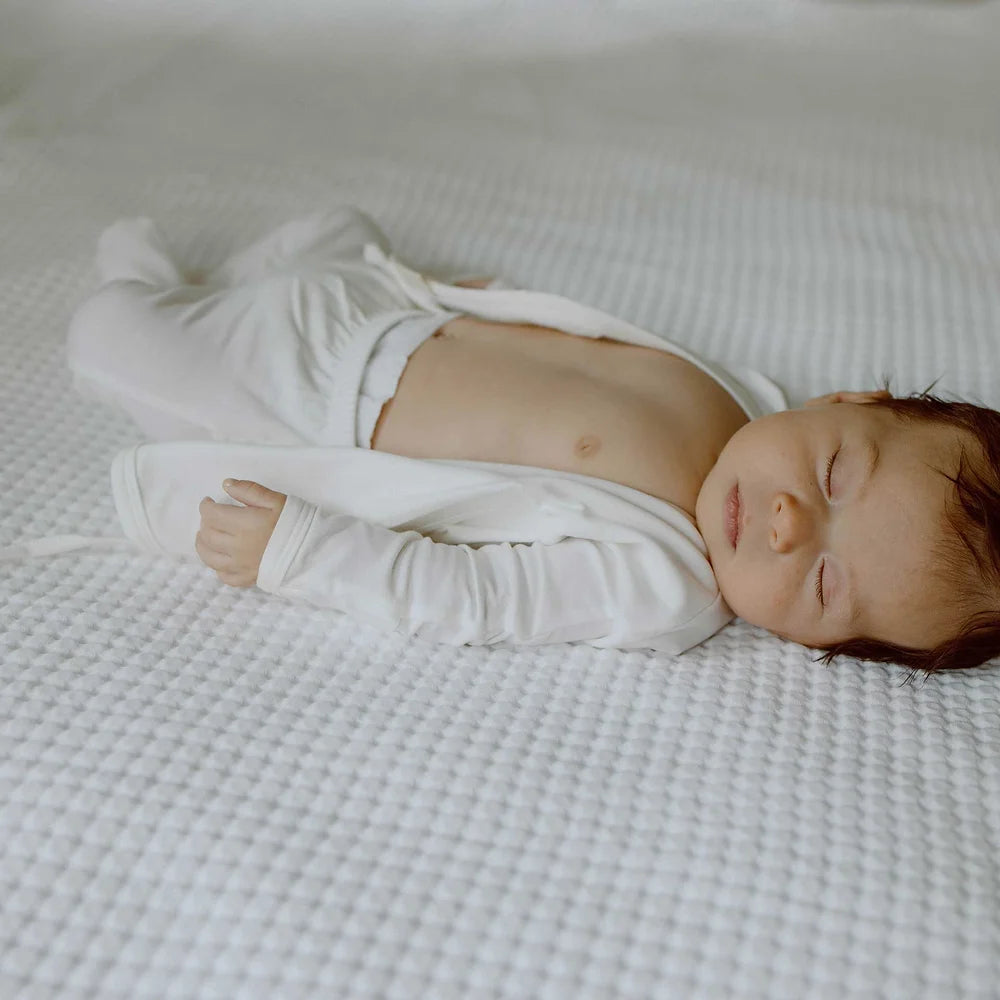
point(135, 250)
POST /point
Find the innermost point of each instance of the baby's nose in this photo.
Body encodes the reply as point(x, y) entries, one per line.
point(789, 525)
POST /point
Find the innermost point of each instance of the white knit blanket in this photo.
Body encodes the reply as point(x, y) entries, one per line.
point(207, 792)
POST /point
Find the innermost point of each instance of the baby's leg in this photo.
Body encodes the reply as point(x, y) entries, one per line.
point(269, 356)
point(118, 333)
point(306, 245)
point(139, 346)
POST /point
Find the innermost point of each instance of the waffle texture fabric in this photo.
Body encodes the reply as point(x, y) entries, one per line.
point(214, 793)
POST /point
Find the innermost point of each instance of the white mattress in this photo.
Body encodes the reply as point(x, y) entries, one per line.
point(207, 792)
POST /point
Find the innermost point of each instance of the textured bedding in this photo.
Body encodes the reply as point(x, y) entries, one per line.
point(208, 792)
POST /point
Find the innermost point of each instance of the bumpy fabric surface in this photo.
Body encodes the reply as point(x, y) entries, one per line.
point(207, 792)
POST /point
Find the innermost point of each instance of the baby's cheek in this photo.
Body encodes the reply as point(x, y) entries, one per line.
point(756, 599)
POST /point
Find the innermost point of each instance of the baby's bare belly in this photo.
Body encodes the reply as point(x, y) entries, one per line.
point(528, 395)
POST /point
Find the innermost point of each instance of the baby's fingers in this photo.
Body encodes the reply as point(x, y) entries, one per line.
point(214, 558)
point(224, 563)
point(254, 494)
point(215, 538)
point(225, 518)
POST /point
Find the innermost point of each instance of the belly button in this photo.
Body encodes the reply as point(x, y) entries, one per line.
point(586, 446)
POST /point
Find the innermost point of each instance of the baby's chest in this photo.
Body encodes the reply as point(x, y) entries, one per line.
point(532, 396)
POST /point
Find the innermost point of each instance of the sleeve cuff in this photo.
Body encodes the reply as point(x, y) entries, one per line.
point(290, 531)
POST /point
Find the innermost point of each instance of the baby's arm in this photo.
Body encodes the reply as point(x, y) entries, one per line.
point(231, 539)
point(645, 592)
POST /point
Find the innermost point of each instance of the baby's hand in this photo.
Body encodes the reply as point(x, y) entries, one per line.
point(231, 539)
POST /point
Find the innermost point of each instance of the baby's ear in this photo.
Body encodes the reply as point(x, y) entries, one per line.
point(849, 397)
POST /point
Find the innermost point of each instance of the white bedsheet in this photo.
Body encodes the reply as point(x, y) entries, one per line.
point(209, 792)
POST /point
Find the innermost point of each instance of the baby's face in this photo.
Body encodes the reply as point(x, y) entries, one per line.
point(821, 559)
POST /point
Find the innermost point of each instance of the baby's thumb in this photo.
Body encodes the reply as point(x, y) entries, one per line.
point(250, 493)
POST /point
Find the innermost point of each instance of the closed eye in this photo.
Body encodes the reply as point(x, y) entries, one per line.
point(819, 583)
point(829, 473)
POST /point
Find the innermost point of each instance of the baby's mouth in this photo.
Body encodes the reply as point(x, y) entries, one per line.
point(732, 509)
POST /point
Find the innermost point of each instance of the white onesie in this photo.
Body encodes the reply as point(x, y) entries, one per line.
point(260, 370)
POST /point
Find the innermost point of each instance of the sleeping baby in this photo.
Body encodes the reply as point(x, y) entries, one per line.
point(472, 463)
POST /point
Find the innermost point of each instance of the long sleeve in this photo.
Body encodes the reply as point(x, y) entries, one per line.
point(452, 552)
point(630, 594)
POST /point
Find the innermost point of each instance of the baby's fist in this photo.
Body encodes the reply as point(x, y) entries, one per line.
point(231, 539)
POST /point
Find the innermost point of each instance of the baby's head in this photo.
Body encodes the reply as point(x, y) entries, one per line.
point(864, 525)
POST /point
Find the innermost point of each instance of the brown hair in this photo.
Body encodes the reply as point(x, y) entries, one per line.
point(972, 559)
